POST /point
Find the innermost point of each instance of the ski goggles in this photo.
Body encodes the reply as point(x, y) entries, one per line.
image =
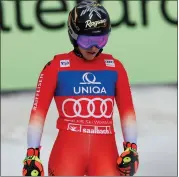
point(87, 42)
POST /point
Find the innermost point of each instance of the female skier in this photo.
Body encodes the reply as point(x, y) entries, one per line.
point(84, 84)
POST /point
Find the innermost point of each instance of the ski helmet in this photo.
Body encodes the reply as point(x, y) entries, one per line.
point(88, 18)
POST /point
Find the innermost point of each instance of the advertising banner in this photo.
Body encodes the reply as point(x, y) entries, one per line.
point(143, 38)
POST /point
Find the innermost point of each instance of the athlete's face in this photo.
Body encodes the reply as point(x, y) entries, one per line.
point(89, 54)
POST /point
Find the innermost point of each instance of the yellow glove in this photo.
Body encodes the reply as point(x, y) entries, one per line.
point(32, 163)
point(128, 161)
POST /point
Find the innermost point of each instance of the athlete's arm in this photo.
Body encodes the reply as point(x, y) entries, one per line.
point(125, 106)
point(44, 93)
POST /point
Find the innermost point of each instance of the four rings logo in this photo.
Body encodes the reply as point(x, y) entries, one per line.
point(89, 82)
point(83, 110)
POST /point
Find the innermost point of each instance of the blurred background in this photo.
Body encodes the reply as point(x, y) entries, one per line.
point(143, 37)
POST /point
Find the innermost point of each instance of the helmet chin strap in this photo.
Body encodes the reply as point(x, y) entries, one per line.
point(79, 54)
point(99, 52)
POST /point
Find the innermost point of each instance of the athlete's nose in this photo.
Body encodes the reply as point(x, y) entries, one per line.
point(94, 49)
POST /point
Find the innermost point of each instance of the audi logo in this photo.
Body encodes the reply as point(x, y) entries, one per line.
point(91, 107)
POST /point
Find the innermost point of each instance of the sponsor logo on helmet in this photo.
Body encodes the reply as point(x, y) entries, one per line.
point(70, 29)
point(91, 7)
point(94, 24)
point(74, 20)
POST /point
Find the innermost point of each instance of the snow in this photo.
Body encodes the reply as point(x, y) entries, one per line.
point(156, 110)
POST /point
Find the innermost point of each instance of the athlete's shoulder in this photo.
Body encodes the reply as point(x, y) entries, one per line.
point(61, 56)
point(106, 56)
point(54, 62)
point(111, 58)
point(63, 60)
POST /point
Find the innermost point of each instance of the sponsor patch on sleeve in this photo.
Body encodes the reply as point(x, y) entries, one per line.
point(110, 63)
point(64, 63)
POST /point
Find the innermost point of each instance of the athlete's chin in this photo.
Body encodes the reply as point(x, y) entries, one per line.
point(90, 56)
